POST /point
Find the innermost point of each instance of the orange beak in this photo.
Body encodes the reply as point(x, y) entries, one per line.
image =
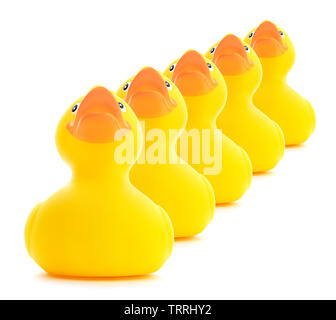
point(192, 75)
point(231, 57)
point(148, 95)
point(98, 118)
point(267, 41)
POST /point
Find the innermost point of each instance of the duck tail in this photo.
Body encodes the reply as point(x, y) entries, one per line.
point(29, 226)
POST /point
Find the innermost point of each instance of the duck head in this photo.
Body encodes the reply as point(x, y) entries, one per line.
point(201, 84)
point(92, 128)
point(273, 47)
point(155, 100)
point(237, 62)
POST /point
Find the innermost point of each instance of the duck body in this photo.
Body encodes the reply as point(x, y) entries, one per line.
point(294, 114)
point(170, 182)
point(249, 121)
point(240, 120)
point(226, 165)
point(190, 202)
point(99, 225)
point(75, 234)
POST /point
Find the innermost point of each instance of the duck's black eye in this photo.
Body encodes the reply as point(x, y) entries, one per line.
point(212, 50)
point(210, 66)
point(251, 35)
point(172, 67)
point(281, 33)
point(247, 49)
point(122, 107)
point(169, 86)
point(75, 107)
point(126, 86)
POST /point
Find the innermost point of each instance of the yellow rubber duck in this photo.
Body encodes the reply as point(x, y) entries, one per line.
point(240, 120)
point(99, 225)
point(275, 98)
point(204, 90)
point(185, 195)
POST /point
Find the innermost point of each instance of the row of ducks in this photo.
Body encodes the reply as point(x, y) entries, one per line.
point(117, 219)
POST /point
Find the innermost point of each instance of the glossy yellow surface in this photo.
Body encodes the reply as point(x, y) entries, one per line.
point(245, 124)
point(294, 114)
point(233, 178)
point(98, 225)
point(186, 196)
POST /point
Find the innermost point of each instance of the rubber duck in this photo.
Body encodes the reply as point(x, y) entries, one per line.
point(184, 194)
point(99, 225)
point(294, 114)
point(240, 120)
point(204, 90)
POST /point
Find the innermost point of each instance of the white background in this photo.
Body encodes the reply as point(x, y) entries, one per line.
point(278, 241)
